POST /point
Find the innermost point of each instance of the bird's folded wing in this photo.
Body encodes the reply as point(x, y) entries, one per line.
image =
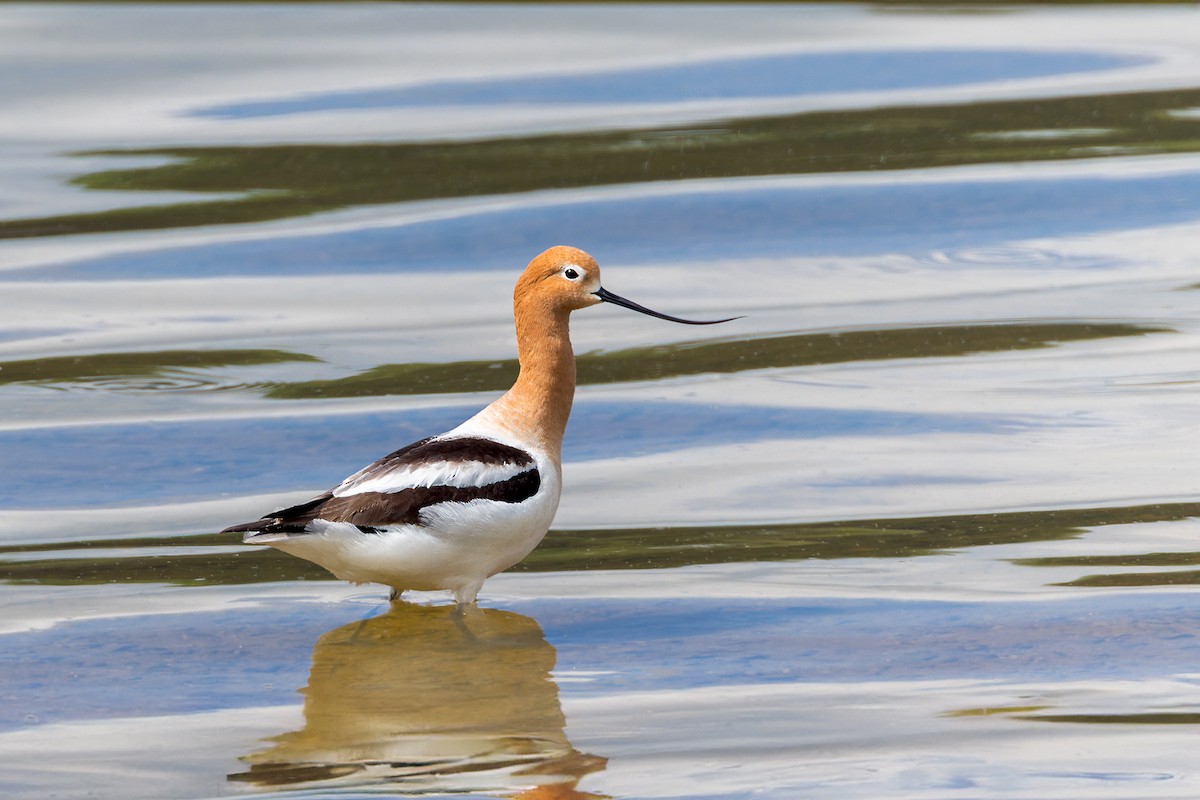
point(394, 489)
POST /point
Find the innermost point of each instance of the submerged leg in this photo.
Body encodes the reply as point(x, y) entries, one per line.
point(464, 604)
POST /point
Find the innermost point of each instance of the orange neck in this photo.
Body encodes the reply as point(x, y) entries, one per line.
point(536, 408)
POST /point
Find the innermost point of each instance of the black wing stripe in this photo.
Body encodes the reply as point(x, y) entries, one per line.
point(469, 451)
point(370, 511)
point(375, 509)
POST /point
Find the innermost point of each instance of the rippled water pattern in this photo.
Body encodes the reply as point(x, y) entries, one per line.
point(920, 524)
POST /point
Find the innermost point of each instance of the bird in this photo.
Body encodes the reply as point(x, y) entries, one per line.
point(451, 510)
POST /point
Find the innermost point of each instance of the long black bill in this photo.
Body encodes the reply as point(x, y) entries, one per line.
point(617, 300)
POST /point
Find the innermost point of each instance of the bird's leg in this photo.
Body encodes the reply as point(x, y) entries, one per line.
point(465, 594)
point(463, 607)
point(394, 595)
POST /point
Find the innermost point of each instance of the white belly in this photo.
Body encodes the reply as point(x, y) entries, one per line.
point(457, 546)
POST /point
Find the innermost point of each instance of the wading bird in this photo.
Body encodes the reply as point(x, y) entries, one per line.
point(450, 511)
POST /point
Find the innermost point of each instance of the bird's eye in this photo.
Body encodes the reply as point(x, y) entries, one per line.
point(571, 274)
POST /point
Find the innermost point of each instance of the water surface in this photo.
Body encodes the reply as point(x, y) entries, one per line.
point(921, 524)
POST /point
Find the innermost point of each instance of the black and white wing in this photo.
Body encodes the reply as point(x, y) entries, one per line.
point(396, 488)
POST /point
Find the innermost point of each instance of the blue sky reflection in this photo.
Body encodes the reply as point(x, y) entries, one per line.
point(196, 661)
point(721, 222)
point(71, 467)
point(754, 77)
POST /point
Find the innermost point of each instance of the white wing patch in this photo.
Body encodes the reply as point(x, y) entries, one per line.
point(441, 473)
point(460, 462)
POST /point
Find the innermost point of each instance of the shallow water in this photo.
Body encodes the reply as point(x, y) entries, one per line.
point(920, 525)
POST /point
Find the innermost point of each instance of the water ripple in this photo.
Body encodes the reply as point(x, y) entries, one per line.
point(733, 220)
point(761, 76)
point(1008, 257)
point(200, 459)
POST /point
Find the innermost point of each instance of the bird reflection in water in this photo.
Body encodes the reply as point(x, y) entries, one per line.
point(426, 699)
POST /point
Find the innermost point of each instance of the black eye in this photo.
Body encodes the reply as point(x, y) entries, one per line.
point(570, 274)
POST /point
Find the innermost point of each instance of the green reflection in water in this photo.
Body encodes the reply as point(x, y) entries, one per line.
point(696, 358)
point(1171, 578)
point(1029, 713)
point(428, 699)
point(653, 548)
point(1179, 578)
point(634, 364)
point(1138, 560)
point(1150, 718)
point(69, 563)
point(280, 181)
point(99, 366)
point(993, 711)
point(207, 569)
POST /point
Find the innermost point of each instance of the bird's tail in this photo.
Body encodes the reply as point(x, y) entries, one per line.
point(279, 525)
point(261, 531)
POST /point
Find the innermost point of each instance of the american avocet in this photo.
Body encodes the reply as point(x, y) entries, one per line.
point(450, 511)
